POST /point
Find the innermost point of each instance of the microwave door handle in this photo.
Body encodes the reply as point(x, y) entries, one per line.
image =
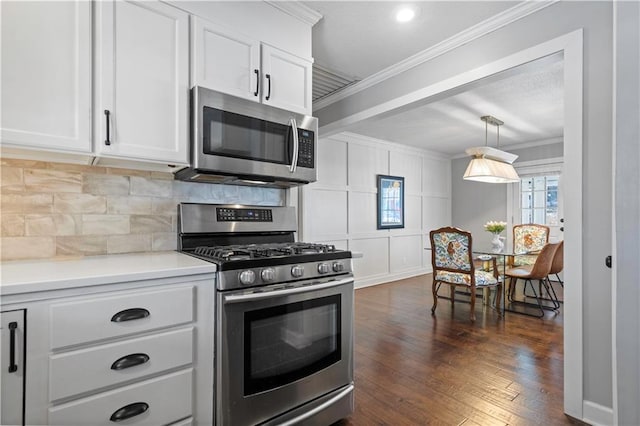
point(294, 159)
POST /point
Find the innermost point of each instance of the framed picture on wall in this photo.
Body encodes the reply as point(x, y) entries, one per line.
point(390, 202)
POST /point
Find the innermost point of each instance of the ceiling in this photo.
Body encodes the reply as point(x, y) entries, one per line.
point(356, 39)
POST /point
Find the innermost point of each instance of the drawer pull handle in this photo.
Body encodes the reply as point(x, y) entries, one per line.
point(129, 411)
point(13, 367)
point(130, 315)
point(129, 361)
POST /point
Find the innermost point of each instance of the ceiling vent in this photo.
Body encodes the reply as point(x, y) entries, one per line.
point(326, 82)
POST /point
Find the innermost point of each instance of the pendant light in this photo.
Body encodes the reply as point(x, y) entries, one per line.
point(488, 164)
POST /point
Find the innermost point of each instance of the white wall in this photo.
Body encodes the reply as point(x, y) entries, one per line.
point(627, 215)
point(340, 208)
point(595, 19)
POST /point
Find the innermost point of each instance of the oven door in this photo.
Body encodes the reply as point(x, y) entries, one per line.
point(280, 347)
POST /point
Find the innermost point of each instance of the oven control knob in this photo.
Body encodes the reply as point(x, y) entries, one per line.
point(297, 271)
point(247, 277)
point(338, 267)
point(268, 274)
point(324, 268)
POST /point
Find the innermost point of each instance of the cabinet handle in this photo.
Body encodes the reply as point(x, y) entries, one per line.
point(130, 315)
point(257, 82)
point(129, 411)
point(268, 86)
point(13, 326)
point(129, 361)
point(107, 114)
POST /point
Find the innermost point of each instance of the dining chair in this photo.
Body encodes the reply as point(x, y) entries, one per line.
point(558, 264)
point(452, 261)
point(538, 271)
point(528, 239)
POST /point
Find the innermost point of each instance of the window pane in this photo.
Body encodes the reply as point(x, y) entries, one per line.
point(552, 217)
point(527, 215)
point(538, 216)
point(539, 183)
point(552, 182)
point(552, 199)
point(526, 200)
point(539, 199)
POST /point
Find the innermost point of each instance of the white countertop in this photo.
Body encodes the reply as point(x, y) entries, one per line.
point(42, 275)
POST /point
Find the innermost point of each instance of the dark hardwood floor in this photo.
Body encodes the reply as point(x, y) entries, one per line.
point(412, 368)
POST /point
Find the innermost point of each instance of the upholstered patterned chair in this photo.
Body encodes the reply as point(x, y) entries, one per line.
point(452, 261)
point(528, 238)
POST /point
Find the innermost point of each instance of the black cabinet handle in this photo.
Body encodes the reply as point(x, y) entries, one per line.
point(608, 261)
point(257, 82)
point(107, 114)
point(129, 411)
point(129, 361)
point(268, 86)
point(130, 315)
point(13, 326)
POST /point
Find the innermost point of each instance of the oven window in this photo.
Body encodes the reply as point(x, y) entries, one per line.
point(288, 342)
point(235, 135)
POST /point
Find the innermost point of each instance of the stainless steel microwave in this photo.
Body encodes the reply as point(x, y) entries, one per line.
point(235, 140)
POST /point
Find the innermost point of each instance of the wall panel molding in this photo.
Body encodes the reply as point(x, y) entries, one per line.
point(389, 254)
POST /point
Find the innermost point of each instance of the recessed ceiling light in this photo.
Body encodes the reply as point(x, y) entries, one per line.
point(405, 14)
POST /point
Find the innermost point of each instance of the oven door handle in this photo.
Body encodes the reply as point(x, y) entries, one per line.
point(319, 408)
point(286, 292)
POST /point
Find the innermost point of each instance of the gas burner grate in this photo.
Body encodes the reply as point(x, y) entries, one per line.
point(254, 251)
point(223, 253)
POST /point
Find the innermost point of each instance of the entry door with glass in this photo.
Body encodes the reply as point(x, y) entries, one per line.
point(539, 201)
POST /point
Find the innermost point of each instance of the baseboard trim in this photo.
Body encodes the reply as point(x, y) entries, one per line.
point(383, 279)
point(596, 414)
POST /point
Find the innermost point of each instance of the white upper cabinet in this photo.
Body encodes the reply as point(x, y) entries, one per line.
point(225, 61)
point(286, 80)
point(233, 63)
point(46, 75)
point(142, 81)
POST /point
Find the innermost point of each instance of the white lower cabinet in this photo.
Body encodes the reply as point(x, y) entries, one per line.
point(12, 376)
point(125, 357)
point(72, 373)
point(159, 401)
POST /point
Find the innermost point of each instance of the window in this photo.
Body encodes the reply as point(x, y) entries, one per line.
point(539, 200)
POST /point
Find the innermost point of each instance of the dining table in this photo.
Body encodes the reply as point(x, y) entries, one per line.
point(504, 261)
point(483, 256)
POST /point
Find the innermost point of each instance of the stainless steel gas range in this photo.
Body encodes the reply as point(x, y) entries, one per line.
point(284, 312)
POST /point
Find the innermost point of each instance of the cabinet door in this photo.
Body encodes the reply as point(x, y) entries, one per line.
point(286, 80)
point(12, 357)
point(225, 61)
point(46, 74)
point(142, 82)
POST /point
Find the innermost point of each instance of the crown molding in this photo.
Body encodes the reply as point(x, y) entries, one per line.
point(297, 10)
point(483, 28)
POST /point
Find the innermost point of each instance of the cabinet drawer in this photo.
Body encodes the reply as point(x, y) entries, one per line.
point(104, 317)
point(80, 371)
point(167, 399)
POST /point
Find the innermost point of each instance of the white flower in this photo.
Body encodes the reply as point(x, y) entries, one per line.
point(495, 227)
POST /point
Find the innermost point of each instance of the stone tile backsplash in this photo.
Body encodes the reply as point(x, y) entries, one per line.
point(51, 210)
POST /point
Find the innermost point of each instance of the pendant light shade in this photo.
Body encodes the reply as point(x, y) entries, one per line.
point(488, 164)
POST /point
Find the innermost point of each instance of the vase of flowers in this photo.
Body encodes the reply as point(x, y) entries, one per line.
point(497, 243)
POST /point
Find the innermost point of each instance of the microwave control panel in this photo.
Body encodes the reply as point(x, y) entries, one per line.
point(305, 148)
